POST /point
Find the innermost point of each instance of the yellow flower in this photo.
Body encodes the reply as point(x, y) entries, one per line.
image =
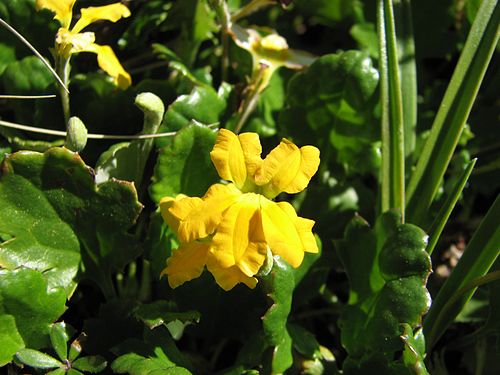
point(270, 52)
point(231, 229)
point(71, 40)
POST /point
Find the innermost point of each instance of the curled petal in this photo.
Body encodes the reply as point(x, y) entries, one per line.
point(111, 12)
point(250, 144)
point(62, 8)
point(165, 204)
point(239, 239)
point(186, 263)
point(108, 62)
point(228, 158)
point(287, 168)
point(228, 278)
point(303, 226)
point(281, 233)
point(199, 217)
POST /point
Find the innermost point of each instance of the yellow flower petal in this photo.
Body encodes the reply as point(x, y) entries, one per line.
point(108, 62)
point(69, 43)
point(228, 157)
point(239, 239)
point(62, 8)
point(287, 168)
point(186, 263)
point(303, 226)
point(111, 12)
point(252, 149)
point(281, 233)
point(165, 204)
point(228, 278)
point(199, 217)
point(274, 42)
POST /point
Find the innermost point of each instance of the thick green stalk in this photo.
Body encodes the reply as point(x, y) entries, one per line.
point(408, 72)
point(393, 178)
point(453, 112)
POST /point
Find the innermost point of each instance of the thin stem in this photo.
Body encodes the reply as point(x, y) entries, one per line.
point(220, 7)
point(63, 69)
point(250, 102)
point(37, 54)
point(49, 96)
point(32, 129)
point(250, 8)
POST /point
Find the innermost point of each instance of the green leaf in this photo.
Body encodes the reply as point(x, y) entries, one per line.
point(10, 338)
point(202, 105)
point(7, 56)
point(328, 11)
point(59, 339)
point(126, 161)
point(58, 371)
point(448, 206)
point(54, 193)
point(338, 111)
point(303, 341)
point(37, 359)
point(185, 165)
point(453, 112)
point(196, 23)
point(28, 76)
point(35, 305)
point(279, 283)
point(161, 312)
point(479, 255)
point(93, 364)
point(135, 364)
point(384, 265)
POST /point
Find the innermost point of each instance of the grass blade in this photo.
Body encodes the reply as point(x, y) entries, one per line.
point(453, 111)
point(445, 211)
point(479, 256)
point(408, 73)
point(392, 179)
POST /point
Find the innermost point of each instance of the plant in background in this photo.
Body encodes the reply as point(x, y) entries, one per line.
point(87, 228)
point(70, 40)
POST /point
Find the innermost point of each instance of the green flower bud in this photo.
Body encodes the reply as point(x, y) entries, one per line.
point(76, 136)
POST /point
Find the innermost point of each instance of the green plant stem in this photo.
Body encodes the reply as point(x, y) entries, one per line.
point(255, 87)
point(220, 7)
point(393, 175)
point(63, 68)
point(250, 8)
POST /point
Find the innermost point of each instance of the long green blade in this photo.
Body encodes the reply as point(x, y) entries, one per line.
point(445, 211)
point(453, 112)
point(408, 71)
point(392, 179)
point(479, 256)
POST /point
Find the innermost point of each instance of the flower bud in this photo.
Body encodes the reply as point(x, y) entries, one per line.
point(76, 136)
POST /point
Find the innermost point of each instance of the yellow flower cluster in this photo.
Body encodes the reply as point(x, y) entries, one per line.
point(72, 40)
point(232, 229)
